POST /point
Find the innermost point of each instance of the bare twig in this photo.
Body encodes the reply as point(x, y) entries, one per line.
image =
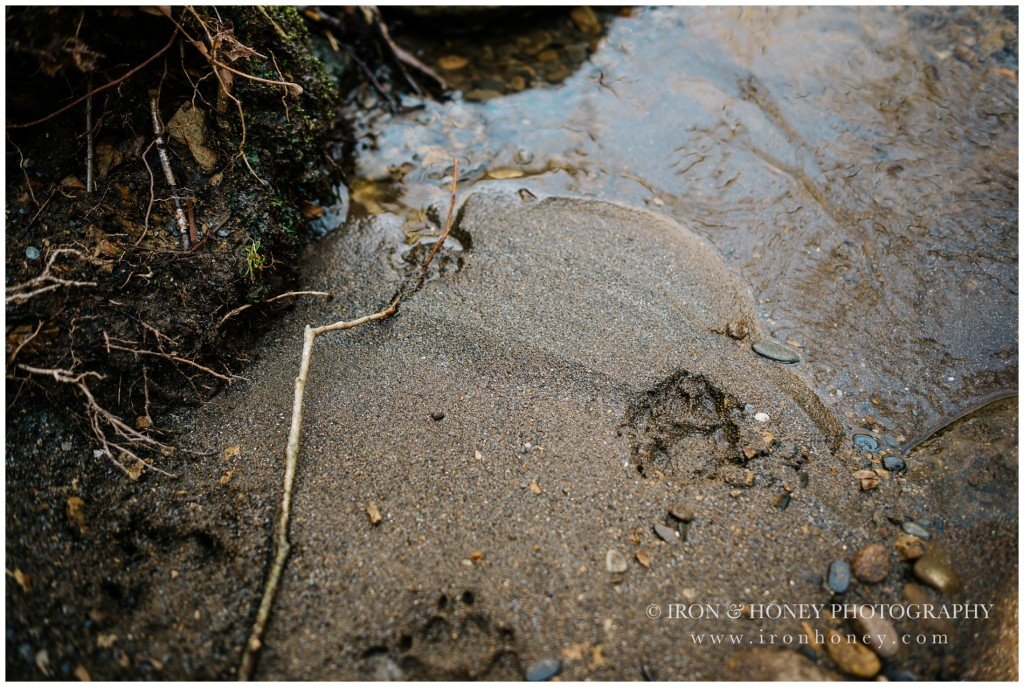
point(165, 162)
point(90, 183)
point(24, 170)
point(149, 207)
point(24, 342)
point(402, 56)
point(281, 544)
point(243, 308)
point(102, 88)
point(46, 281)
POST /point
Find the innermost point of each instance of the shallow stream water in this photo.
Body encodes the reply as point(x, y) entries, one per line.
point(857, 168)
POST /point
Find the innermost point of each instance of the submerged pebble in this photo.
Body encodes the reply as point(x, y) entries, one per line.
point(776, 351)
point(543, 670)
point(839, 576)
point(894, 464)
point(865, 442)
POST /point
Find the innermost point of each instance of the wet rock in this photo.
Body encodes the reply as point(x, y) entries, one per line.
point(852, 658)
point(586, 21)
point(865, 442)
point(935, 569)
point(615, 562)
point(909, 547)
point(482, 94)
point(543, 670)
point(782, 501)
point(667, 534)
point(871, 564)
point(894, 464)
point(776, 351)
point(681, 512)
point(878, 633)
point(916, 530)
point(839, 576)
point(223, 233)
point(32, 253)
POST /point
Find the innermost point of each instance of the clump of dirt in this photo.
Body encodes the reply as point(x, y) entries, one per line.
point(110, 309)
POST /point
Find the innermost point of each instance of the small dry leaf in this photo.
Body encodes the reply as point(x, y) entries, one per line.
point(105, 641)
point(575, 652)
point(72, 182)
point(643, 559)
point(82, 674)
point(134, 468)
point(636, 536)
point(22, 579)
point(535, 488)
point(226, 477)
point(76, 512)
point(232, 452)
point(476, 556)
point(373, 513)
point(597, 659)
point(143, 422)
point(311, 210)
point(452, 63)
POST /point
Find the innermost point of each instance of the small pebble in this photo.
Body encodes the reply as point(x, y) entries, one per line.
point(223, 233)
point(32, 253)
point(911, 527)
point(935, 569)
point(865, 442)
point(762, 417)
point(543, 670)
point(852, 658)
point(894, 464)
point(667, 534)
point(909, 547)
point(681, 512)
point(776, 351)
point(782, 501)
point(839, 576)
point(615, 562)
point(437, 417)
point(878, 633)
point(871, 564)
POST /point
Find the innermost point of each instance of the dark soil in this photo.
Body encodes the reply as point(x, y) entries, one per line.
point(139, 290)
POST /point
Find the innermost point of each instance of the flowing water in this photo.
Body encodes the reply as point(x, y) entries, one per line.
point(856, 167)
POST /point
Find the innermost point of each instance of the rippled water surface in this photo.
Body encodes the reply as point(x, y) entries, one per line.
point(857, 168)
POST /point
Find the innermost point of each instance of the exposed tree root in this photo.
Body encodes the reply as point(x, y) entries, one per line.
point(46, 281)
point(281, 544)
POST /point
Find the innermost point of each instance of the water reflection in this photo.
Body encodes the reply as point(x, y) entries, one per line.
point(856, 167)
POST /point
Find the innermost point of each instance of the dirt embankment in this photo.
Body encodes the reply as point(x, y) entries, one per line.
point(161, 164)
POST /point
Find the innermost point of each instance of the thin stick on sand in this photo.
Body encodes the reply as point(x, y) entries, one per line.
point(282, 547)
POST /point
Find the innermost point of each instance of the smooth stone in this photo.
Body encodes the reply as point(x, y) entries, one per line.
point(865, 442)
point(877, 633)
point(894, 464)
point(615, 562)
point(839, 576)
point(909, 547)
point(852, 658)
point(223, 233)
point(776, 351)
point(32, 253)
point(667, 534)
point(543, 670)
point(871, 564)
point(762, 664)
point(916, 594)
point(682, 512)
point(911, 527)
point(935, 569)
